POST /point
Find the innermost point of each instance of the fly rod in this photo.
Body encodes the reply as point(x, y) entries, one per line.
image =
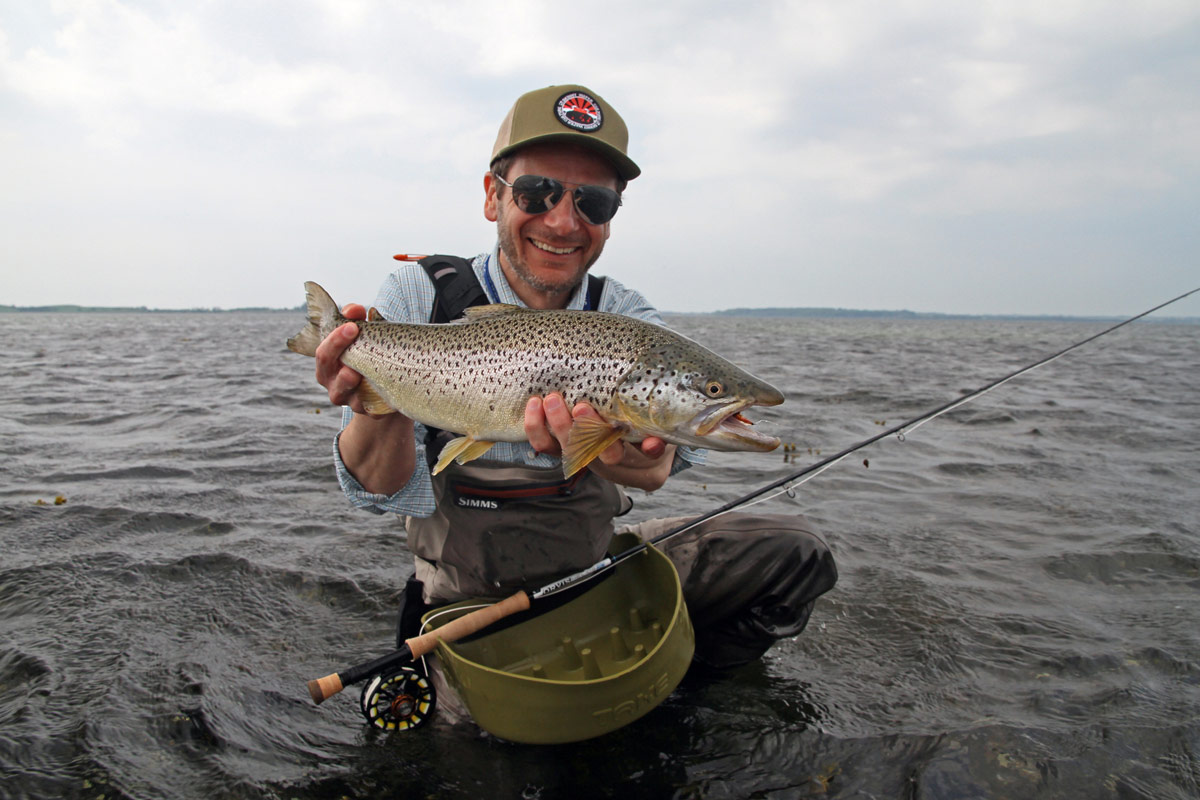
point(322, 689)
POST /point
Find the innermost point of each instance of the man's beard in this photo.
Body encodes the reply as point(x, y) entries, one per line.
point(508, 247)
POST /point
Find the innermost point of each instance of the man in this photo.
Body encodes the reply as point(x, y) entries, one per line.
point(556, 174)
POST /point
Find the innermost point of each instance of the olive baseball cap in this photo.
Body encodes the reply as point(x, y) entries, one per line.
point(567, 113)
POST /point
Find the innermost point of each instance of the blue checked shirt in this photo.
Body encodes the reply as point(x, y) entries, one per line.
point(407, 296)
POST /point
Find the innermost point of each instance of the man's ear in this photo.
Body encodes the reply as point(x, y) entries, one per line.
point(490, 200)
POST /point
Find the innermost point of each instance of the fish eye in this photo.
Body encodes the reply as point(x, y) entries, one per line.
point(714, 388)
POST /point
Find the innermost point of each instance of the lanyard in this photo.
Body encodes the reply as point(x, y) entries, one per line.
point(494, 295)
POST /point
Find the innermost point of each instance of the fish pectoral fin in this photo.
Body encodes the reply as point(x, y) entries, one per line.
point(588, 438)
point(479, 312)
point(462, 450)
point(372, 401)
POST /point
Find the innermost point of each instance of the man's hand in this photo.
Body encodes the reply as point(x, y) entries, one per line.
point(548, 423)
point(377, 450)
point(339, 380)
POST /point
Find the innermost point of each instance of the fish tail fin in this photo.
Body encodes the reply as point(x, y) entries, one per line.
point(323, 317)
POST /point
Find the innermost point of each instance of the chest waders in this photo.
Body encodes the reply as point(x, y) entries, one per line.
point(500, 527)
point(497, 527)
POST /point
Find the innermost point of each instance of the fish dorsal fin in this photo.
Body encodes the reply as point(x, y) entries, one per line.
point(372, 401)
point(479, 312)
point(373, 315)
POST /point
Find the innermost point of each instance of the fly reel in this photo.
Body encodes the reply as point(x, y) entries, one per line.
point(398, 701)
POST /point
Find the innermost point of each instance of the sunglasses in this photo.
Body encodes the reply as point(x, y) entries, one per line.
point(535, 194)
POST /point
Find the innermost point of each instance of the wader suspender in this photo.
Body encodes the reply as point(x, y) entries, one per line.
point(455, 290)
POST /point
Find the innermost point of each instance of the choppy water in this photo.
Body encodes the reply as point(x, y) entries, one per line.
point(1017, 614)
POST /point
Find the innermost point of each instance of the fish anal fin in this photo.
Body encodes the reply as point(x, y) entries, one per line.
point(462, 450)
point(479, 312)
point(588, 438)
point(372, 401)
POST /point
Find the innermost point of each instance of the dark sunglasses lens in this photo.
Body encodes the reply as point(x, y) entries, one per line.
point(597, 204)
point(535, 194)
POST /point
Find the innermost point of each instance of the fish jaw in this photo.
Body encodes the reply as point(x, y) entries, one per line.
point(679, 412)
point(723, 427)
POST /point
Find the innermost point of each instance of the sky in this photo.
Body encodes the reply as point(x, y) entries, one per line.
point(1006, 157)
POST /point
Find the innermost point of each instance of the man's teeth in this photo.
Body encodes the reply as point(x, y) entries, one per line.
point(562, 251)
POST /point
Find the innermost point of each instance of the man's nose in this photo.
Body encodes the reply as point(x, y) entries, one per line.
point(563, 217)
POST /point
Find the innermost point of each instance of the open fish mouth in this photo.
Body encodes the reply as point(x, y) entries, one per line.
point(727, 422)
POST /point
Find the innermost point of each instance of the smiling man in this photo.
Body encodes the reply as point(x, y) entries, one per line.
point(545, 256)
point(554, 185)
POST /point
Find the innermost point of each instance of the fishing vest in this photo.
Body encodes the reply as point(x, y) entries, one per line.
point(499, 526)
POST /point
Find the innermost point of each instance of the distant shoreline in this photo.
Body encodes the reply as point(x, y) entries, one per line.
point(800, 313)
point(856, 313)
point(74, 309)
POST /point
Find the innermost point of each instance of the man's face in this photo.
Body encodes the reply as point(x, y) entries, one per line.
point(545, 256)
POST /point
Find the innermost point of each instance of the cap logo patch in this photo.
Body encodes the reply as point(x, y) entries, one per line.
point(579, 111)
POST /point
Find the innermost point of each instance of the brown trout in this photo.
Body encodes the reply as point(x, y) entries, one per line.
point(473, 377)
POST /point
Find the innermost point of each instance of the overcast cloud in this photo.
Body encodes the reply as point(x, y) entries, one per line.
point(1007, 157)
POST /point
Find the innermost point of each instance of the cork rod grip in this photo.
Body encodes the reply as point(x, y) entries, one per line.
point(468, 624)
point(322, 689)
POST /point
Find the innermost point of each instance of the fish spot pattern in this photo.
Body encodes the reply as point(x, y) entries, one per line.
point(475, 376)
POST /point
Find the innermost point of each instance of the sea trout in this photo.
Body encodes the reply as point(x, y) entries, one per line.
point(474, 376)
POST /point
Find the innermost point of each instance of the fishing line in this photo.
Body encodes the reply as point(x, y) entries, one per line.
point(911, 425)
point(521, 601)
point(791, 481)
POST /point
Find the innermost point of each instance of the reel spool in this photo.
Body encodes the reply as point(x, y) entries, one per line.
point(398, 701)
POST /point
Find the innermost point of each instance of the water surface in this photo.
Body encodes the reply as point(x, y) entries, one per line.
point(1016, 617)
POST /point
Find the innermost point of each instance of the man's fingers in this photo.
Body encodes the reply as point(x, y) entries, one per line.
point(343, 388)
point(539, 436)
point(338, 379)
point(558, 417)
point(548, 425)
point(653, 447)
point(329, 351)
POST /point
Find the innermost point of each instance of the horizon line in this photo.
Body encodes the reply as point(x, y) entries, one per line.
point(765, 311)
